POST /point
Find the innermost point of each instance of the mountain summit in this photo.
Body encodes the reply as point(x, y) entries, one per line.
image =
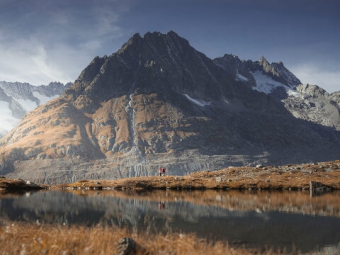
point(155, 63)
point(159, 102)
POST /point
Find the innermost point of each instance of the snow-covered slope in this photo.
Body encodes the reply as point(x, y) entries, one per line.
point(7, 119)
point(16, 99)
point(267, 85)
point(306, 102)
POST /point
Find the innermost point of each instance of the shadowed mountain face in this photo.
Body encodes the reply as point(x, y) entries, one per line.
point(159, 102)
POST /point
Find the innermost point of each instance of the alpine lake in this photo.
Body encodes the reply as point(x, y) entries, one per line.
point(283, 220)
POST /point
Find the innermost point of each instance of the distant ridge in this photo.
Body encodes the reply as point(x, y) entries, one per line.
point(16, 99)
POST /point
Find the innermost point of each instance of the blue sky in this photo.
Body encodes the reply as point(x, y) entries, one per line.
point(54, 40)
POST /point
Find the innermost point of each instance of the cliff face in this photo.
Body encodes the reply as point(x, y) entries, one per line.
point(158, 101)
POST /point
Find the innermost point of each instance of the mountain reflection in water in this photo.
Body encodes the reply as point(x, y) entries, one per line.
point(257, 219)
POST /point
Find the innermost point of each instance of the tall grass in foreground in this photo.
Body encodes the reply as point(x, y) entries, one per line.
point(18, 238)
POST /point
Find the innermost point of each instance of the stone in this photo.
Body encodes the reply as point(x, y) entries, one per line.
point(317, 188)
point(127, 246)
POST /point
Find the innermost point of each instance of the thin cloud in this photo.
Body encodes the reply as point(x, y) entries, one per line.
point(57, 43)
point(312, 74)
point(27, 63)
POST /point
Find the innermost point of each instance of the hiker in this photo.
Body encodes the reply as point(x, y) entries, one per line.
point(160, 171)
point(164, 171)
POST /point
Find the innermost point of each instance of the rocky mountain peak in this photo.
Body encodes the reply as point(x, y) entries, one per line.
point(153, 42)
point(159, 102)
point(134, 40)
point(313, 90)
point(264, 62)
point(154, 63)
point(278, 72)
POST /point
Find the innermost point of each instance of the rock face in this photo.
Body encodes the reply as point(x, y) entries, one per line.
point(314, 104)
point(127, 246)
point(16, 99)
point(159, 102)
point(304, 101)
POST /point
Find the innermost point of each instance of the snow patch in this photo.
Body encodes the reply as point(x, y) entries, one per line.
point(27, 105)
point(7, 119)
point(240, 77)
point(43, 99)
point(293, 93)
point(199, 102)
point(266, 84)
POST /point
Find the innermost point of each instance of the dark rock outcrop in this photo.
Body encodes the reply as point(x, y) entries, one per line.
point(127, 246)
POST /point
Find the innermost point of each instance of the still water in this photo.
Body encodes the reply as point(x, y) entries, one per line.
point(283, 220)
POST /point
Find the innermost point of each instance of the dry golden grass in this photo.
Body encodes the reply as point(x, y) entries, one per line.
point(17, 185)
point(19, 238)
point(269, 178)
point(295, 177)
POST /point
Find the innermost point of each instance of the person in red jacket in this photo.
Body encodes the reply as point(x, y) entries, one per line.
point(164, 171)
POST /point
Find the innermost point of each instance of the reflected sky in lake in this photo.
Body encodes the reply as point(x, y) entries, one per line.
point(256, 219)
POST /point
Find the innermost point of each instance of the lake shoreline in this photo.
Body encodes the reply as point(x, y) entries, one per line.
point(325, 175)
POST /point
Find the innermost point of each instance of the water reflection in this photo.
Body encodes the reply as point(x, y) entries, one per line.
point(257, 219)
point(161, 205)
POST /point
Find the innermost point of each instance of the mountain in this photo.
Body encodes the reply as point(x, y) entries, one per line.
point(159, 102)
point(304, 101)
point(16, 99)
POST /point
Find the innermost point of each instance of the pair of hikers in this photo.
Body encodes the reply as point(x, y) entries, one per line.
point(161, 206)
point(161, 171)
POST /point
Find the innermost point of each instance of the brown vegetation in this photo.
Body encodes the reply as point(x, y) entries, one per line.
point(268, 178)
point(289, 177)
point(19, 238)
point(10, 184)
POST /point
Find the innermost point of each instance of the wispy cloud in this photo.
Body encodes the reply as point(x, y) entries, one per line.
point(328, 79)
point(28, 61)
point(55, 40)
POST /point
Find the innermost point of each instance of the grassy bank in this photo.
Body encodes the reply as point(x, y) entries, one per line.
point(263, 177)
point(19, 238)
point(293, 177)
